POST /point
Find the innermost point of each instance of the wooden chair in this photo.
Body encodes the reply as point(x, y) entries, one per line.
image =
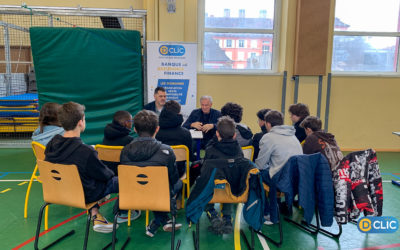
point(113, 154)
point(62, 185)
point(248, 152)
point(109, 153)
point(182, 154)
point(38, 151)
point(224, 195)
point(144, 188)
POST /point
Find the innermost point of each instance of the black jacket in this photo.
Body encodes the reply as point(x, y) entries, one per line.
point(116, 135)
point(171, 132)
point(243, 135)
point(94, 174)
point(224, 149)
point(300, 132)
point(147, 151)
point(150, 106)
point(256, 141)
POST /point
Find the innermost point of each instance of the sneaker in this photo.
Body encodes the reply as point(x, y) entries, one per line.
point(123, 217)
point(227, 227)
point(214, 219)
point(268, 220)
point(168, 226)
point(151, 229)
point(101, 225)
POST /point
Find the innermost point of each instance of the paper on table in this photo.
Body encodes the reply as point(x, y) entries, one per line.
point(396, 133)
point(196, 134)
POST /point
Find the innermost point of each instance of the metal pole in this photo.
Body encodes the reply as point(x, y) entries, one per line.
point(144, 62)
point(7, 76)
point(284, 92)
point(296, 88)
point(319, 96)
point(328, 99)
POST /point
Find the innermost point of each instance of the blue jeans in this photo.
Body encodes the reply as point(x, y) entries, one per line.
point(161, 218)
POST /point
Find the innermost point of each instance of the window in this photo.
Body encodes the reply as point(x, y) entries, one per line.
point(251, 23)
point(366, 36)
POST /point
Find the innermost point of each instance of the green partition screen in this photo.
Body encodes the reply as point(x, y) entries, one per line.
point(100, 68)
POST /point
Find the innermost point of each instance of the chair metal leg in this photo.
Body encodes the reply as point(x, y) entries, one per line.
point(325, 232)
point(89, 217)
point(196, 236)
point(126, 243)
point(39, 224)
point(173, 233)
point(183, 196)
point(38, 230)
point(276, 243)
point(28, 191)
point(305, 226)
point(114, 232)
point(246, 241)
point(46, 218)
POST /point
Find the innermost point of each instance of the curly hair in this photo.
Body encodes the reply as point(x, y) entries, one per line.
point(233, 110)
point(299, 109)
point(312, 122)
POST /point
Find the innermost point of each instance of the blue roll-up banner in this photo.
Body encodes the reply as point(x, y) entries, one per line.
point(172, 65)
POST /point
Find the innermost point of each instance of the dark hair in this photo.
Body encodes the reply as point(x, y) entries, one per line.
point(48, 115)
point(172, 106)
point(70, 114)
point(145, 123)
point(162, 89)
point(299, 109)
point(226, 127)
point(233, 110)
point(312, 122)
point(121, 117)
point(261, 113)
point(274, 117)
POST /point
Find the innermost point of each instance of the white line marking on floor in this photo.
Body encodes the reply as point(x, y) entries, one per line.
point(263, 242)
point(14, 180)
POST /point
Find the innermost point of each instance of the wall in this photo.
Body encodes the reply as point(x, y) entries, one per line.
point(363, 110)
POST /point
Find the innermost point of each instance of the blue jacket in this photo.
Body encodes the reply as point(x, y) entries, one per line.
point(236, 174)
point(310, 177)
point(198, 116)
point(48, 133)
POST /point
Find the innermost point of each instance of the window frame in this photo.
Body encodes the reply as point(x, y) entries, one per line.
point(367, 34)
point(275, 32)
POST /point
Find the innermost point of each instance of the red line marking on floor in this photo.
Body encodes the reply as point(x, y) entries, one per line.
point(379, 247)
point(58, 225)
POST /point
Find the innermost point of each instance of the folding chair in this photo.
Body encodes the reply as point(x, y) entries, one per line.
point(38, 151)
point(145, 188)
point(182, 154)
point(224, 195)
point(62, 185)
point(248, 152)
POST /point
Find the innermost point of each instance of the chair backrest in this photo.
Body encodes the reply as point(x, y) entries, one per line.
point(224, 195)
point(61, 184)
point(181, 152)
point(109, 153)
point(144, 188)
point(248, 152)
point(38, 150)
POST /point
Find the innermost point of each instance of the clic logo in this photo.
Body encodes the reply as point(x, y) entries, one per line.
point(384, 224)
point(172, 50)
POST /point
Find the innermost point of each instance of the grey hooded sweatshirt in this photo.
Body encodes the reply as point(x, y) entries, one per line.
point(276, 147)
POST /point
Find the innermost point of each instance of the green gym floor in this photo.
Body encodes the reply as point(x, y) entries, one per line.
point(17, 232)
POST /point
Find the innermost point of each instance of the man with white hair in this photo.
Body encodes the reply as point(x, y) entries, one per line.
point(204, 119)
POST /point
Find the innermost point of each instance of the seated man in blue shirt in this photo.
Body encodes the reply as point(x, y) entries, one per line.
point(160, 97)
point(204, 119)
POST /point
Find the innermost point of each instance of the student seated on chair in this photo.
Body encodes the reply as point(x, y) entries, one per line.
point(144, 151)
point(320, 141)
point(97, 179)
point(49, 125)
point(276, 147)
point(117, 133)
point(243, 133)
point(298, 112)
point(172, 133)
point(257, 137)
point(224, 146)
